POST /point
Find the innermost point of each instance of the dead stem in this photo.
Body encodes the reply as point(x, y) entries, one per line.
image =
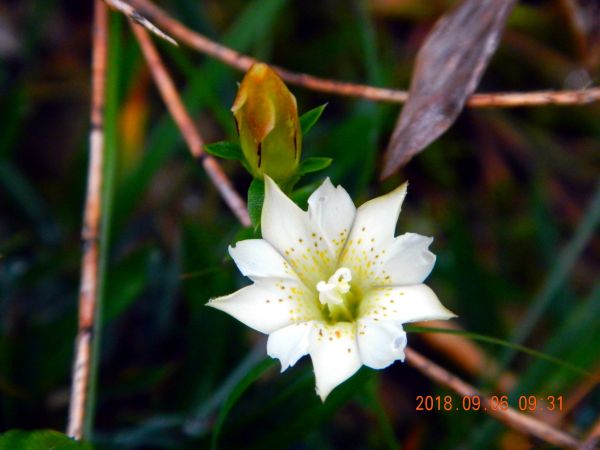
point(465, 353)
point(581, 391)
point(593, 438)
point(186, 125)
point(244, 62)
point(89, 288)
point(134, 15)
point(510, 417)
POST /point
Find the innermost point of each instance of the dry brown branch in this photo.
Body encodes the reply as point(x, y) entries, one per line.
point(89, 288)
point(186, 125)
point(577, 395)
point(465, 353)
point(539, 98)
point(244, 62)
point(510, 417)
point(593, 438)
point(134, 15)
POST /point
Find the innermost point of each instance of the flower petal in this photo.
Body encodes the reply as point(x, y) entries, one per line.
point(286, 227)
point(331, 213)
point(269, 306)
point(334, 354)
point(289, 344)
point(257, 259)
point(372, 234)
point(380, 343)
point(379, 215)
point(408, 261)
point(403, 304)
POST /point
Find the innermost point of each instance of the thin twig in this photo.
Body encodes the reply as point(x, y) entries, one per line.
point(186, 125)
point(593, 438)
point(538, 98)
point(89, 288)
point(465, 353)
point(134, 15)
point(244, 62)
point(510, 417)
point(578, 394)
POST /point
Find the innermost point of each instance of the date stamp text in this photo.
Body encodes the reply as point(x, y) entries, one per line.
point(522, 403)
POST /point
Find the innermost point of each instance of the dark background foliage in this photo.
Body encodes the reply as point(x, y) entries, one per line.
point(511, 197)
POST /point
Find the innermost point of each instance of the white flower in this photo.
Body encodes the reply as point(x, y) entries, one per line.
point(333, 282)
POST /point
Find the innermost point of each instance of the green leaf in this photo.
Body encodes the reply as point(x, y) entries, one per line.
point(309, 118)
point(236, 393)
point(225, 150)
point(314, 164)
point(256, 197)
point(39, 440)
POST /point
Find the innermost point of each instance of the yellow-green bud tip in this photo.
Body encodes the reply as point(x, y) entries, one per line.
point(266, 116)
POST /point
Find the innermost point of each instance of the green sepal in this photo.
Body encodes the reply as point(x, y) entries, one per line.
point(309, 118)
point(256, 198)
point(225, 150)
point(314, 164)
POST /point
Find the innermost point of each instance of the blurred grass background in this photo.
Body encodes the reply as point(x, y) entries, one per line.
point(511, 197)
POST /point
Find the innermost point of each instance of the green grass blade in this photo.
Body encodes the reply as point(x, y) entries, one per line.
point(314, 412)
point(196, 423)
point(26, 198)
point(500, 342)
point(571, 333)
point(241, 387)
point(111, 110)
point(385, 426)
point(558, 275)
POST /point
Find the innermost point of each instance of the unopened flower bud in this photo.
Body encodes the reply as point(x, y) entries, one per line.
point(266, 116)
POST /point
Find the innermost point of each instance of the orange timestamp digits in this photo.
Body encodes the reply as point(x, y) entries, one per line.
point(492, 403)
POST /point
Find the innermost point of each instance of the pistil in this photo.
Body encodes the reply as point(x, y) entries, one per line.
point(335, 295)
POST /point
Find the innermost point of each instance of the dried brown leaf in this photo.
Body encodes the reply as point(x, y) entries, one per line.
point(448, 68)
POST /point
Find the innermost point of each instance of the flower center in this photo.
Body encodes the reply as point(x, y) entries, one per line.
point(335, 295)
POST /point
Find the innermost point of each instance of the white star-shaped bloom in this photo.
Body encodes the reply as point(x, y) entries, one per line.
point(333, 282)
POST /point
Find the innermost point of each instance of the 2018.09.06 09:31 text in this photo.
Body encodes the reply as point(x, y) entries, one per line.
point(493, 403)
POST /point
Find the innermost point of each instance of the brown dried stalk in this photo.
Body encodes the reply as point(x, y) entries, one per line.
point(89, 288)
point(577, 395)
point(510, 417)
point(134, 15)
point(186, 125)
point(593, 438)
point(244, 62)
point(464, 353)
